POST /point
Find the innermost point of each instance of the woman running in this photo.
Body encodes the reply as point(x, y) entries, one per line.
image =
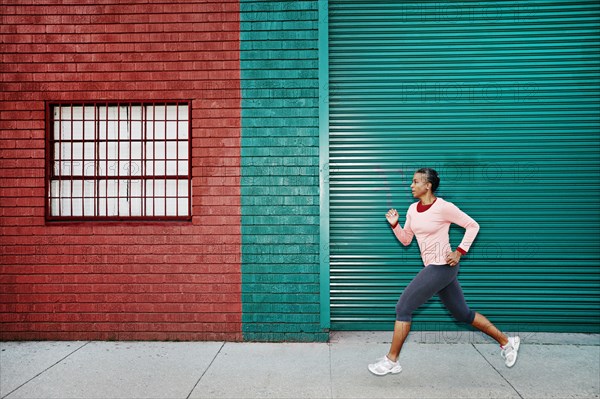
point(430, 219)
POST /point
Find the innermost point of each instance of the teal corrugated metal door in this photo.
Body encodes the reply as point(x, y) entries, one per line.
point(502, 99)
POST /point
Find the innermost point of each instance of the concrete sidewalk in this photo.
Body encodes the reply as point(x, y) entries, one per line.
point(436, 365)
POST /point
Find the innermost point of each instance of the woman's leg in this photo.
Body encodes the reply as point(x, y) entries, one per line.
point(484, 325)
point(426, 284)
point(401, 330)
point(453, 298)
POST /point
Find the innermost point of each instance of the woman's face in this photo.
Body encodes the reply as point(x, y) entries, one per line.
point(419, 185)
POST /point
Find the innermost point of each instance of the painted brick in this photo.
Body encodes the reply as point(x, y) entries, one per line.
point(276, 298)
point(121, 281)
point(287, 336)
point(280, 205)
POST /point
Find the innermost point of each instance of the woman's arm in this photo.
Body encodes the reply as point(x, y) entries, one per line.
point(454, 215)
point(404, 235)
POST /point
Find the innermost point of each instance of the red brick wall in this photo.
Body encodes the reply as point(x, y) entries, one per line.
point(123, 281)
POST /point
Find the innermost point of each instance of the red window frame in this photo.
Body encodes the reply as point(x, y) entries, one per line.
point(118, 166)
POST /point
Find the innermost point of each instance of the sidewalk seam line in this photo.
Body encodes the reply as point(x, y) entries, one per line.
point(496, 370)
point(205, 371)
point(42, 372)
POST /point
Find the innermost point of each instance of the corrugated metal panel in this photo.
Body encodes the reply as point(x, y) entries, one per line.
point(502, 99)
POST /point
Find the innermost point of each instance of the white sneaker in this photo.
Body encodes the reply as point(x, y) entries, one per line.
point(385, 366)
point(510, 351)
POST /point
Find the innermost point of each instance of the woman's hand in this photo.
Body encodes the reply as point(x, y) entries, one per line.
point(453, 258)
point(392, 217)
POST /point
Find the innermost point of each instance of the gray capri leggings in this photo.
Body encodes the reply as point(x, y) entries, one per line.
point(431, 280)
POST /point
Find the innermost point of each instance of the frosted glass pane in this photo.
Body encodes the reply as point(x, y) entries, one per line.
point(182, 207)
point(77, 168)
point(54, 189)
point(136, 168)
point(90, 168)
point(123, 188)
point(75, 112)
point(77, 207)
point(136, 130)
point(159, 168)
point(124, 150)
point(136, 188)
point(113, 207)
point(136, 206)
point(77, 189)
point(64, 188)
point(172, 112)
point(159, 188)
point(171, 209)
point(108, 188)
point(155, 130)
point(171, 188)
point(183, 168)
point(76, 129)
point(150, 168)
point(159, 150)
point(159, 207)
point(171, 150)
point(171, 168)
point(112, 168)
point(136, 150)
point(149, 207)
point(171, 130)
point(124, 130)
point(182, 149)
point(88, 188)
point(88, 207)
point(89, 151)
point(62, 130)
point(183, 112)
point(65, 168)
point(102, 207)
point(102, 188)
point(65, 207)
point(136, 112)
point(89, 113)
point(76, 151)
point(55, 207)
point(65, 131)
point(89, 130)
point(62, 151)
point(109, 150)
point(124, 207)
point(149, 150)
point(101, 168)
point(182, 190)
point(183, 130)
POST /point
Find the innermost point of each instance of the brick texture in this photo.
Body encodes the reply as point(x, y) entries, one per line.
point(280, 171)
point(122, 281)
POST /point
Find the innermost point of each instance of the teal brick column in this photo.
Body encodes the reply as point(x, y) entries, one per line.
point(280, 171)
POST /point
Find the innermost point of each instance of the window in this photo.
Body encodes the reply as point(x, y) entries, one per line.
point(118, 161)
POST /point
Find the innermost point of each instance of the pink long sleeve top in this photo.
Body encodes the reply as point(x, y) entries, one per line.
point(431, 225)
